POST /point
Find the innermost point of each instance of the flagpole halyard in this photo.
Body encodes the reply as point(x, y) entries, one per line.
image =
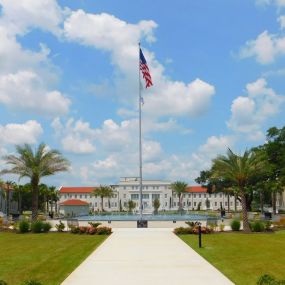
point(140, 138)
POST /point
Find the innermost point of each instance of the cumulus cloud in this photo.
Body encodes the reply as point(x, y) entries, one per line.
point(28, 132)
point(25, 90)
point(166, 97)
point(278, 3)
point(250, 112)
point(20, 16)
point(265, 48)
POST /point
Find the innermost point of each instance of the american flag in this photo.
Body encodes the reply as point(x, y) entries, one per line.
point(145, 71)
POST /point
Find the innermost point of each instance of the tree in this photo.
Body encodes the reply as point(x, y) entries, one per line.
point(103, 191)
point(156, 205)
point(131, 206)
point(238, 169)
point(179, 187)
point(35, 165)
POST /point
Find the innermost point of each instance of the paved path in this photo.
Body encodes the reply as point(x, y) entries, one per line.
point(145, 257)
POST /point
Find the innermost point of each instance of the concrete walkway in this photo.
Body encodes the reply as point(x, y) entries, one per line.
point(145, 257)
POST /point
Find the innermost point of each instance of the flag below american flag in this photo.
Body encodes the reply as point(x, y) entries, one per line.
point(145, 71)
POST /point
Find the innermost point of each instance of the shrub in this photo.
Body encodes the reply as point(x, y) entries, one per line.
point(74, 230)
point(46, 227)
point(222, 227)
point(24, 227)
point(235, 225)
point(267, 225)
point(37, 227)
point(2, 282)
point(183, 231)
point(91, 231)
point(94, 225)
point(257, 226)
point(31, 282)
point(82, 230)
point(60, 227)
point(103, 231)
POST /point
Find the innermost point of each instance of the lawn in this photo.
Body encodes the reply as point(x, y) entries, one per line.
point(48, 258)
point(243, 258)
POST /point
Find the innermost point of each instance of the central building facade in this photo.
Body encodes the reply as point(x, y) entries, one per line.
point(128, 188)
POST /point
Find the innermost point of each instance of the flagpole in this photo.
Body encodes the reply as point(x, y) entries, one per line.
point(140, 137)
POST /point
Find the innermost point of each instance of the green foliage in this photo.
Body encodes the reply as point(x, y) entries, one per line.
point(2, 282)
point(192, 230)
point(103, 231)
point(32, 282)
point(257, 226)
point(94, 225)
point(267, 279)
point(131, 205)
point(60, 227)
point(35, 164)
point(235, 225)
point(156, 205)
point(103, 191)
point(24, 226)
point(74, 229)
point(37, 227)
point(46, 227)
point(222, 227)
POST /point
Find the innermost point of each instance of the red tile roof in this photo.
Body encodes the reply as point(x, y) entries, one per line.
point(74, 202)
point(196, 189)
point(76, 189)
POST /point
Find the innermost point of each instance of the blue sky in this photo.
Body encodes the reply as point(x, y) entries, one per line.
point(69, 78)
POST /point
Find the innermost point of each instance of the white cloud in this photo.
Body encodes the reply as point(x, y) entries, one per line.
point(264, 48)
point(20, 16)
point(281, 21)
point(166, 97)
point(28, 132)
point(75, 136)
point(25, 90)
point(250, 112)
point(278, 3)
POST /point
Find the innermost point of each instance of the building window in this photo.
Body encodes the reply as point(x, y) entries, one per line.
point(125, 187)
point(205, 195)
point(146, 187)
point(226, 203)
point(174, 204)
point(215, 195)
point(75, 196)
point(221, 195)
point(85, 196)
point(231, 203)
point(165, 204)
point(199, 195)
point(165, 195)
point(134, 196)
point(133, 187)
point(80, 196)
point(125, 195)
point(195, 204)
point(189, 203)
point(184, 204)
point(65, 196)
point(194, 195)
point(115, 204)
point(155, 196)
point(145, 196)
point(216, 204)
point(95, 204)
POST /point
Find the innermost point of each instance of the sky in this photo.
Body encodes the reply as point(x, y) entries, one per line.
point(69, 78)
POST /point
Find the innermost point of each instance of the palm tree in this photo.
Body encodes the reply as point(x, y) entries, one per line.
point(103, 191)
point(239, 169)
point(35, 165)
point(179, 187)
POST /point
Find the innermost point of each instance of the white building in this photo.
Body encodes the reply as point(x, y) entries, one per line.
point(127, 189)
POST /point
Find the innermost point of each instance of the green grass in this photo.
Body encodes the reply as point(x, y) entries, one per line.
point(243, 258)
point(48, 258)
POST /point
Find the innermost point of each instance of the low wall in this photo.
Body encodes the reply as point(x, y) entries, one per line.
point(133, 224)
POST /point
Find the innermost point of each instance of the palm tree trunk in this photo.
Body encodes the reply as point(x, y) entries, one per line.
point(7, 202)
point(228, 203)
point(235, 202)
point(274, 202)
point(246, 227)
point(102, 198)
point(35, 198)
point(261, 202)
